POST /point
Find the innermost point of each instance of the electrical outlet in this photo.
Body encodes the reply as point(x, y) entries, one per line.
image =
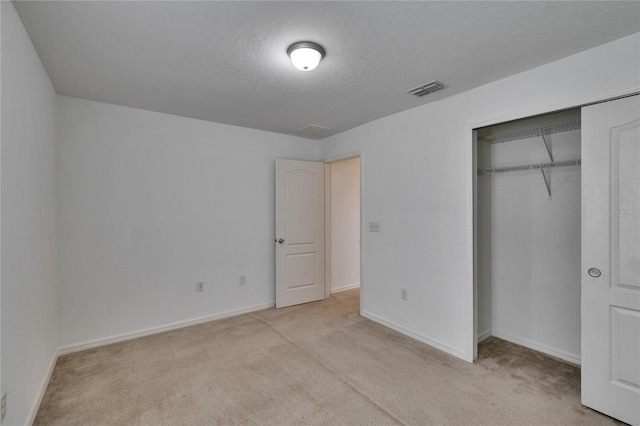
point(242, 280)
point(3, 411)
point(200, 286)
point(374, 226)
point(404, 294)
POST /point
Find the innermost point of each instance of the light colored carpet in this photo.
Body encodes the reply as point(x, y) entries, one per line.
point(319, 363)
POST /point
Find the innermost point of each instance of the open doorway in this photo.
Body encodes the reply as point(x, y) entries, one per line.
point(343, 228)
point(318, 230)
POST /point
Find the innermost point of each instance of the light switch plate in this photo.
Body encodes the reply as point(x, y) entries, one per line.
point(374, 226)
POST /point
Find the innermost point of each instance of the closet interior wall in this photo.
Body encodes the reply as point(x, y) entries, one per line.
point(528, 247)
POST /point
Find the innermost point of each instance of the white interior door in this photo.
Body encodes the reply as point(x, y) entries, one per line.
point(611, 258)
point(299, 232)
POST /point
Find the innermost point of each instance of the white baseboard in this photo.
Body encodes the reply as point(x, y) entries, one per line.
point(415, 335)
point(128, 336)
point(484, 336)
point(566, 356)
point(345, 288)
point(43, 387)
point(77, 347)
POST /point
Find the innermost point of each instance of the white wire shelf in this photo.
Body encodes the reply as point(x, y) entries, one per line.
point(537, 166)
point(532, 133)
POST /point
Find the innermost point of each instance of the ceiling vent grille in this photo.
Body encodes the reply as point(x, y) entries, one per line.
point(425, 89)
point(312, 130)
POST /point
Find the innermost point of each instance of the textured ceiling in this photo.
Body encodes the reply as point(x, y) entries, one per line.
point(226, 61)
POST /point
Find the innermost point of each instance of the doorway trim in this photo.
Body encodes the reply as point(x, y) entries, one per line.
point(471, 308)
point(327, 217)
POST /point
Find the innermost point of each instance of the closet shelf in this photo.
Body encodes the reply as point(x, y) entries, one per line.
point(537, 166)
point(532, 133)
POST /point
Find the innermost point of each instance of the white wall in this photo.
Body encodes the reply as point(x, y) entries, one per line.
point(535, 242)
point(345, 224)
point(150, 204)
point(28, 238)
point(417, 183)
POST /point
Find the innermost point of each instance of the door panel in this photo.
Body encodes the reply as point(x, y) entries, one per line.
point(301, 270)
point(625, 332)
point(625, 187)
point(300, 202)
point(611, 245)
point(299, 232)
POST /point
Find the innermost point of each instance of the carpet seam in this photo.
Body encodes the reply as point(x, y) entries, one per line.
point(334, 373)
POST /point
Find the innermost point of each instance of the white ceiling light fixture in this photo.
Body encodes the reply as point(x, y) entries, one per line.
point(305, 55)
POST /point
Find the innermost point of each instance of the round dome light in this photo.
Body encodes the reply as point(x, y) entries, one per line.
point(305, 55)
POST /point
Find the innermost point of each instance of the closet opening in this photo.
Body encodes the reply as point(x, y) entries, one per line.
point(528, 238)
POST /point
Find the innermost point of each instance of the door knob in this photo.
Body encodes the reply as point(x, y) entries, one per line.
point(594, 272)
point(280, 241)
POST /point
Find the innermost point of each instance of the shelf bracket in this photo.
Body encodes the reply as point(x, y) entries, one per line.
point(546, 182)
point(546, 145)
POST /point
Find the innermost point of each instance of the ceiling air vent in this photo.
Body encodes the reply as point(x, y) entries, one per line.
point(425, 89)
point(312, 130)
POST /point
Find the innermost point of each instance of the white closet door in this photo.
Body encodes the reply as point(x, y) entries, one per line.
point(611, 258)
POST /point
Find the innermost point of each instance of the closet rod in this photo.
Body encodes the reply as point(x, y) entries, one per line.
point(532, 133)
point(536, 166)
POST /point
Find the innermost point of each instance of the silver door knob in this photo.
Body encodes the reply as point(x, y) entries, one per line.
point(280, 241)
point(594, 272)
